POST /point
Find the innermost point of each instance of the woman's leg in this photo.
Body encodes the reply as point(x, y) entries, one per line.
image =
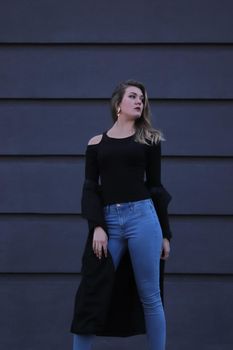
point(145, 245)
point(117, 244)
point(82, 342)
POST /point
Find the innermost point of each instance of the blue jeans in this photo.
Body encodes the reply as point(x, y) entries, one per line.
point(136, 225)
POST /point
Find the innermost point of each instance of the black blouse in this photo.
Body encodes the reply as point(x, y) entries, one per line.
point(126, 170)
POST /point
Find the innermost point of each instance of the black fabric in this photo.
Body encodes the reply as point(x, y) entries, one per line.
point(107, 301)
point(161, 198)
point(120, 165)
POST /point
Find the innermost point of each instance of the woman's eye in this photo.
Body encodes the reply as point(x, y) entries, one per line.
point(133, 96)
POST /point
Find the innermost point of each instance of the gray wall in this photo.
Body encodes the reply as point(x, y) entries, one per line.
point(59, 62)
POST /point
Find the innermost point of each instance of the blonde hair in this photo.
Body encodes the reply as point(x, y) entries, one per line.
point(144, 129)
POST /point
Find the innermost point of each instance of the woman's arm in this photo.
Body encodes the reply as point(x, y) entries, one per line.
point(159, 194)
point(91, 204)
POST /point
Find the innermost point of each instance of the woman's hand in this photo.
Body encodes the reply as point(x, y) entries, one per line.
point(100, 241)
point(166, 249)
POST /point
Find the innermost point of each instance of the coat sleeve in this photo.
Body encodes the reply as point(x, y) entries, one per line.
point(160, 196)
point(91, 201)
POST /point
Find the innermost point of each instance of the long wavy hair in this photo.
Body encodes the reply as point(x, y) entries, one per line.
point(143, 126)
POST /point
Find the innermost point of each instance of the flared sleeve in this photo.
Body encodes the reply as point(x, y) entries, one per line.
point(91, 201)
point(159, 195)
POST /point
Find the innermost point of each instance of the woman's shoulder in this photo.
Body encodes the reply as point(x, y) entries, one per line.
point(95, 140)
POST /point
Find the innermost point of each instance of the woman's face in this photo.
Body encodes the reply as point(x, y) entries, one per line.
point(132, 102)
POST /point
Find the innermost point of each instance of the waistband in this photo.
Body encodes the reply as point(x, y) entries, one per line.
point(129, 205)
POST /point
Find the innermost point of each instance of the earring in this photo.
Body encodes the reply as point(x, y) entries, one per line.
point(118, 111)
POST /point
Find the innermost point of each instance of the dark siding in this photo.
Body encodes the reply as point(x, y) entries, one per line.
point(52, 127)
point(33, 249)
point(59, 61)
point(130, 21)
point(92, 71)
point(53, 185)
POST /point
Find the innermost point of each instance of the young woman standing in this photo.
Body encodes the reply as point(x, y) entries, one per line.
point(131, 212)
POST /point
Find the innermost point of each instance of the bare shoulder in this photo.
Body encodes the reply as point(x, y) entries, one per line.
point(95, 140)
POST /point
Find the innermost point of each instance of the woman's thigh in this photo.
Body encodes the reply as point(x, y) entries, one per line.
point(145, 238)
point(117, 245)
point(135, 224)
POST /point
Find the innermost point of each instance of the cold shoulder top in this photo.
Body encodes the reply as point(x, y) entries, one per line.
point(124, 168)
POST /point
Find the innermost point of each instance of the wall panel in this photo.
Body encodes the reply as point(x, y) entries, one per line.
point(37, 310)
point(55, 243)
point(50, 185)
point(75, 21)
point(92, 71)
point(192, 128)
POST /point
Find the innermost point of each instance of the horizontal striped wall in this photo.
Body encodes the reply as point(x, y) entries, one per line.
point(56, 21)
point(92, 71)
point(52, 126)
point(59, 62)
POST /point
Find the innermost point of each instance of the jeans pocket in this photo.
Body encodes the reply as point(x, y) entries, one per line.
point(141, 209)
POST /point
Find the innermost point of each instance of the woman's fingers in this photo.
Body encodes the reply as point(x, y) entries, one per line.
point(165, 254)
point(97, 247)
point(166, 249)
point(98, 251)
point(105, 250)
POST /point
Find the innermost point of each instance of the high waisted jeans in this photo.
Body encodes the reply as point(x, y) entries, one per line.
point(136, 225)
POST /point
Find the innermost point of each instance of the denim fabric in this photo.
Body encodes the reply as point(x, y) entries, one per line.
point(136, 225)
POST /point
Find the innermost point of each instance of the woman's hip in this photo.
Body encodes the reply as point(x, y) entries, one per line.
point(131, 219)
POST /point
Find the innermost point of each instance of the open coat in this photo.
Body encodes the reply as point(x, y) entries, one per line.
point(107, 302)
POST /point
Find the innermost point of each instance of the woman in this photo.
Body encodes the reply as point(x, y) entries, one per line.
point(120, 291)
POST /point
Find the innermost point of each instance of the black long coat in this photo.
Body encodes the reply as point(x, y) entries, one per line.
point(107, 302)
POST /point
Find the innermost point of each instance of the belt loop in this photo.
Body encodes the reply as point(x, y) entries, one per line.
point(131, 206)
point(151, 203)
point(106, 207)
